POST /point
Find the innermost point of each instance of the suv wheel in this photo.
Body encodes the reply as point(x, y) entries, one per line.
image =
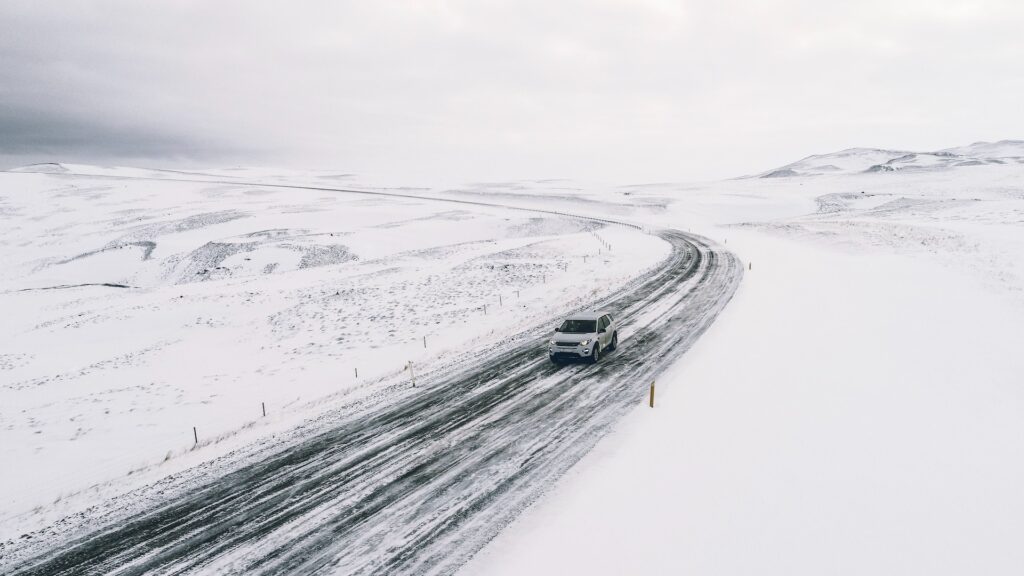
point(596, 354)
point(615, 341)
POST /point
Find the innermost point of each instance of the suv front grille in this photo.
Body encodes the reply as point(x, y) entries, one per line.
point(566, 343)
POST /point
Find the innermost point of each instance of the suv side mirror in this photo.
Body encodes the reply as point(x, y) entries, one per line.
point(602, 330)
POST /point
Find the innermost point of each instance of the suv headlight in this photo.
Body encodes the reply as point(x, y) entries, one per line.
point(585, 342)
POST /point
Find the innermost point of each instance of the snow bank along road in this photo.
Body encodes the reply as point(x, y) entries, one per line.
point(418, 485)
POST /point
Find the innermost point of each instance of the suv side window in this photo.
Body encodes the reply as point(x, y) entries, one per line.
point(603, 323)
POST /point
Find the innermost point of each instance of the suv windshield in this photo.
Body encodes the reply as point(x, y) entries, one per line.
point(578, 327)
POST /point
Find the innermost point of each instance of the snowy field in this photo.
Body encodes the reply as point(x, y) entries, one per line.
point(857, 409)
point(135, 310)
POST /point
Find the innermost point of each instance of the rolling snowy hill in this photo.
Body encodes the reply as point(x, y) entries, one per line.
point(854, 160)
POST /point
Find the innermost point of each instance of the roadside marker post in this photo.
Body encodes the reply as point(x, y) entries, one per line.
point(652, 393)
point(412, 374)
point(264, 404)
point(357, 372)
point(424, 341)
point(195, 435)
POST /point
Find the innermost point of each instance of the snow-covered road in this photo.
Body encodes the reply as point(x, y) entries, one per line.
point(420, 484)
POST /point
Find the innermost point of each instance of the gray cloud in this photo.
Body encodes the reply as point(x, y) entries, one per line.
point(30, 132)
point(467, 90)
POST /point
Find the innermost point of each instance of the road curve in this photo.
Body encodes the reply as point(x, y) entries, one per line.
point(421, 484)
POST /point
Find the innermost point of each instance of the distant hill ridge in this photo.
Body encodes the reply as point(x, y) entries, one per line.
point(858, 160)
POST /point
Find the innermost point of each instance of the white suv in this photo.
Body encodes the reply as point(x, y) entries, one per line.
point(584, 336)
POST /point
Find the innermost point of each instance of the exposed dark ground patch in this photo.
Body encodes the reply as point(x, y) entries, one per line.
point(66, 286)
point(548, 226)
point(146, 245)
point(204, 263)
point(316, 255)
point(186, 224)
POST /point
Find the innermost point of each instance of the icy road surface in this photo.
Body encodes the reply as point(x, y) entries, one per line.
point(421, 484)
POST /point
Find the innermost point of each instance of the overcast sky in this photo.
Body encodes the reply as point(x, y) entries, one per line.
point(614, 91)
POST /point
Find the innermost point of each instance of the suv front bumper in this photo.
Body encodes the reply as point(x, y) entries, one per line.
point(569, 352)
